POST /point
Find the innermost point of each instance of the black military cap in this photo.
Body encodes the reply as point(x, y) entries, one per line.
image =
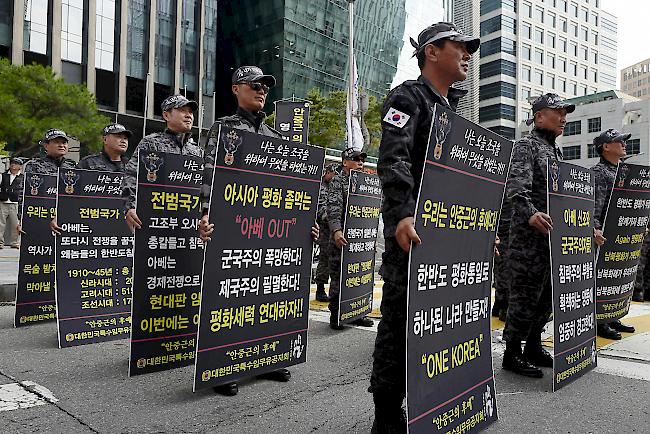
point(442, 30)
point(611, 135)
point(250, 74)
point(351, 154)
point(15, 160)
point(53, 133)
point(550, 100)
point(116, 129)
point(177, 101)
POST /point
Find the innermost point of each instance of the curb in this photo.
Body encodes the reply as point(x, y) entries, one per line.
point(7, 292)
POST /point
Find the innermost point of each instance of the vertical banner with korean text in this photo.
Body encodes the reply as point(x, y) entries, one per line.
point(292, 120)
point(94, 254)
point(571, 207)
point(167, 264)
point(618, 259)
point(35, 299)
point(450, 380)
point(255, 290)
point(358, 256)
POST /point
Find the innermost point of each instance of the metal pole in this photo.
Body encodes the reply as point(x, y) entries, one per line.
point(146, 105)
point(200, 124)
point(351, 70)
point(185, 90)
point(214, 106)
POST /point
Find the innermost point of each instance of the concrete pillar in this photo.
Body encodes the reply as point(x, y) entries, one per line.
point(90, 62)
point(17, 40)
point(56, 36)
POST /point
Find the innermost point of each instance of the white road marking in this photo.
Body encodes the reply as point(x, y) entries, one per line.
point(26, 394)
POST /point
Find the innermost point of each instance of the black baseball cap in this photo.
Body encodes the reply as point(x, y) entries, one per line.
point(609, 136)
point(177, 101)
point(351, 154)
point(550, 100)
point(250, 74)
point(16, 160)
point(53, 133)
point(443, 30)
point(116, 129)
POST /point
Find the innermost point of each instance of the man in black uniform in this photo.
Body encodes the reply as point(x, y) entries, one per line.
point(610, 145)
point(250, 86)
point(529, 297)
point(443, 54)
point(322, 275)
point(111, 158)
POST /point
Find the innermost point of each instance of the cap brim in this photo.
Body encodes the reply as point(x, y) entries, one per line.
point(190, 103)
point(622, 137)
point(471, 43)
point(268, 80)
point(67, 139)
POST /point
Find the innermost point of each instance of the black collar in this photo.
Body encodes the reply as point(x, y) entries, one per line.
point(108, 158)
point(57, 161)
point(608, 163)
point(453, 94)
point(255, 119)
point(181, 138)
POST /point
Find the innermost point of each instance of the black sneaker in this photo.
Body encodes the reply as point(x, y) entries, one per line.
point(321, 295)
point(605, 331)
point(620, 327)
point(637, 296)
point(538, 356)
point(385, 424)
point(228, 389)
point(363, 322)
point(281, 375)
point(519, 365)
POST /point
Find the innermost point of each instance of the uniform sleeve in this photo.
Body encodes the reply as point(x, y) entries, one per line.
point(334, 208)
point(394, 165)
point(83, 163)
point(520, 181)
point(209, 158)
point(601, 198)
point(129, 180)
point(322, 201)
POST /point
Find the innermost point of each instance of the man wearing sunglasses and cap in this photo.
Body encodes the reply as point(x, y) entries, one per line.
point(111, 158)
point(55, 144)
point(443, 53)
point(337, 198)
point(529, 295)
point(250, 86)
point(610, 145)
point(322, 274)
point(178, 113)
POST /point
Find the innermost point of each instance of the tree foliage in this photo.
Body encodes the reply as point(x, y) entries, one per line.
point(33, 99)
point(327, 120)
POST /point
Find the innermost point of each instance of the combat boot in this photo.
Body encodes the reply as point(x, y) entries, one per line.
point(605, 331)
point(390, 417)
point(228, 389)
point(538, 356)
point(320, 293)
point(514, 361)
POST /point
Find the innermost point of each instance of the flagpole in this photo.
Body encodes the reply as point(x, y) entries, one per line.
point(351, 72)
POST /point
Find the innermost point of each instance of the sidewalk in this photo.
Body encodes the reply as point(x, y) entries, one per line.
point(8, 273)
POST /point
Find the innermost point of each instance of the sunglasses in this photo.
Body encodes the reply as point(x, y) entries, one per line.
point(358, 159)
point(257, 86)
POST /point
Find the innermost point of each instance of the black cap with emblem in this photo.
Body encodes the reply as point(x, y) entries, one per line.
point(442, 30)
point(552, 101)
point(353, 154)
point(251, 74)
point(609, 136)
point(177, 101)
point(116, 129)
point(53, 133)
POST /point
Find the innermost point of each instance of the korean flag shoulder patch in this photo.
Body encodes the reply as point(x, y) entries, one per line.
point(396, 118)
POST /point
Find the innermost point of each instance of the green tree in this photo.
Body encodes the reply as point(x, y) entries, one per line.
point(33, 99)
point(327, 120)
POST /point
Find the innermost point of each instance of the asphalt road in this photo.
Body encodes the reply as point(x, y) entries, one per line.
point(326, 395)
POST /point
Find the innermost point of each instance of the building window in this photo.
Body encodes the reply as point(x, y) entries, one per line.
point(136, 40)
point(497, 67)
point(499, 45)
point(562, 23)
point(593, 18)
point(583, 72)
point(573, 11)
point(551, 20)
point(571, 152)
point(539, 57)
point(550, 81)
point(633, 146)
point(165, 50)
point(573, 49)
point(104, 34)
point(539, 15)
point(498, 89)
point(525, 73)
point(594, 38)
point(497, 111)
point(562, 64)
point(35, 27)
point(593, 125)
point(525, 52)
point(550, 60)
point(539, 35)
point(550, 40)
point(562, 45)
point(526, 10)
point(573, 69)
point(584, 53)
point(591, 151)
point(492, 5)
point(538, 77)
point(507, 132)
point(562, 5)
point(525, 93)
point(572, 128)
point(573, 29)
point(584, 34)
point(71, 29)
point(526, 30)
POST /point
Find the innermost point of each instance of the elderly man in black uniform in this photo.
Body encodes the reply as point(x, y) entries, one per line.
point(610, 145)
point(443, 54)
point(111, 158)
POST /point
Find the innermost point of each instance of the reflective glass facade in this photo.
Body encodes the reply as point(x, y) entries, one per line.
point(209, 45)
point(5, 23)
point(35, 28)
point(105, 34)
point(137, 35)
point(189, 44)
point(72, 12)
point(165, 41)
